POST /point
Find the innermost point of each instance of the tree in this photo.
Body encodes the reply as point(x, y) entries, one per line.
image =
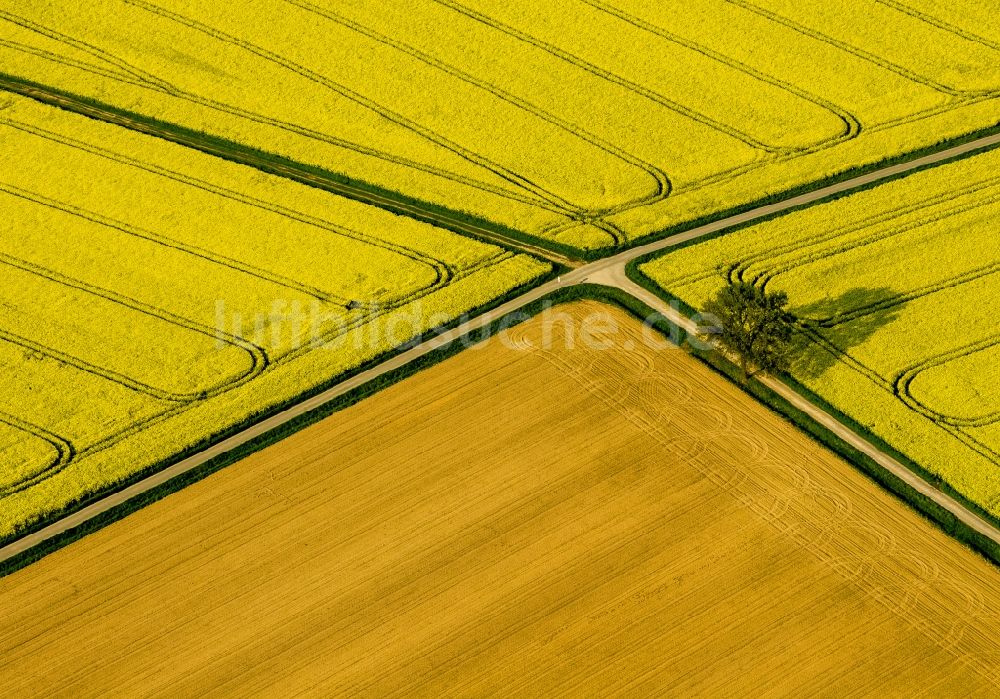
point(753, 324)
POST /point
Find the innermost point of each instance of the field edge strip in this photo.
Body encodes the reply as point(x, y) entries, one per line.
point(8, 561)
point(452, 220)
point(620, 298)
point(313, 176)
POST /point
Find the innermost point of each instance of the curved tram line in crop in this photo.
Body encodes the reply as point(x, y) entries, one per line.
point(66, 452)
point(851, 126)
point(906, 378)
point(855, 126)
point(63, 449)
point(663, 185)
point(741, 270)
point(537, 195)
point(131, 75)
point(443, 271)
point(360, 99)
point(260, 359)
point(898, 386)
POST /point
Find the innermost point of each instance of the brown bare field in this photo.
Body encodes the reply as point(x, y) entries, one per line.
point(524, 522)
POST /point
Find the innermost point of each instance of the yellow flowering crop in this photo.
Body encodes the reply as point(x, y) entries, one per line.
point(152, 296)
point(588, 122)
point(898, 290)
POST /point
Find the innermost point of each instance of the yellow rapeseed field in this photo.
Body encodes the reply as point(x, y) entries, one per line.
point(898, 287)
point(625, 523)
point(586, 122)
point(153, 296)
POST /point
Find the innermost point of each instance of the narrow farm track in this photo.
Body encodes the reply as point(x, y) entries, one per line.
point(690, 543)
point(609, 271)
point(618, 279)
point(298, 174)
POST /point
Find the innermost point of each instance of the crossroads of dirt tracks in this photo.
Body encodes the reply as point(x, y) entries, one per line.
point(609, 271)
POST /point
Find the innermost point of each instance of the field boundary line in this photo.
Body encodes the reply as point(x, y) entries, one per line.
point(606, 287)
point(513, 305)
point(255, 117)
point(818, 414)
point(458, 221)
point(150, 81)
point(316, 177)
point(595, 217)
point(368, 380)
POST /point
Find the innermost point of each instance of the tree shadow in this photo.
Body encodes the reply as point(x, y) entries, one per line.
point(832, 327)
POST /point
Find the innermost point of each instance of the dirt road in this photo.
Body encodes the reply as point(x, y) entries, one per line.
point(609, 271)
point(690, 543)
